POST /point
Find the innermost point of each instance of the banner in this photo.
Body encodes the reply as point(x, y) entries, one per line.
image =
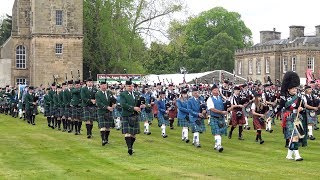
point(309, 75)
point(119, 78)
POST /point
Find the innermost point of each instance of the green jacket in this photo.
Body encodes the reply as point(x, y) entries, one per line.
point(76, 97)
point(46, 101)
point(56, 102)
point(51, 93)
point(102, 102)
point(67, 97)
point(28, 100)
point(127, 103)
point(87, 95)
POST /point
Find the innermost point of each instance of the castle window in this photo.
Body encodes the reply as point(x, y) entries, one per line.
point(258, 66)
point(239, 67)
point(59, 48)
point(21, 57)
point(284, 64)
point(21, 81)
point(310, 63)
point(267, 65)
point(250, 66)
point(59, 17)
point(294, 64)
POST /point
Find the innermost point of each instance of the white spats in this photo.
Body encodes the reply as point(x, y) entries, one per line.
point(117, 123)
point(297, 156)
point(163, 130)
point(196, 138)
point(184, 134)
point(310, 128)
point(146, 127)
point(289, 155)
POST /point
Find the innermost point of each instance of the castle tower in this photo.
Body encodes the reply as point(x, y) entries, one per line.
point(46, 41)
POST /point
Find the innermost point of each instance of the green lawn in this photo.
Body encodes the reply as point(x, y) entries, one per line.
point(37, 152)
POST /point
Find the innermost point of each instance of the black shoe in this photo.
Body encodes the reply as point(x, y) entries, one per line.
point(148, 133)
point(104, 142)
point(89, 136)
point(240, 138)
point(69, 131)
point(271, 131)
point(198, 145)
point(165, 136)
point(76, 133)
point(130, 152)
point(315, 128)
point(261, 141)
point(312, 138)
point(300, 159)
point(187, 140)
point(304, 145)
point(220, 149)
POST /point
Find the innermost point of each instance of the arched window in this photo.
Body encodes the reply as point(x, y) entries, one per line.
point(20, 57)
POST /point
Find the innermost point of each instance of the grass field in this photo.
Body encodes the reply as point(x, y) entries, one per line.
point(37, 152)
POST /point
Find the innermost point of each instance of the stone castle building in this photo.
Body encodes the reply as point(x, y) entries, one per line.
point(274, 56)
point(46, 41)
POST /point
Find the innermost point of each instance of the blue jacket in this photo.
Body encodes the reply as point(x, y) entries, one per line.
point(182, 109)
point(161, 107)
point(194, 108)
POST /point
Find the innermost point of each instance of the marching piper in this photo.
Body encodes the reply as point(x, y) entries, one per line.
point(291, 101)
point(217, 117)
point(183, 115)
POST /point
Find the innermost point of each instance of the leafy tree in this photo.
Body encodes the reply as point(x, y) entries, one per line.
point(5, 28)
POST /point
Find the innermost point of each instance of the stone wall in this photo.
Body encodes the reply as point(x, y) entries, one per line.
point(44, 17)
point(5, 72)
point(46, 63)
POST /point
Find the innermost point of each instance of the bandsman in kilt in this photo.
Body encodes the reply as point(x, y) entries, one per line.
point(76, 106)
point(218, 112)
point(52, 109)
point(46, 104)
point(171, 96)
point(197, 114)
point(163, 113)
point(31, 106)
point(89, 106)
point(130, 113)
point(146, 113)
point(183, 115)
point(57, 108)
point(237, 117)
point(248, 97)
point(268, 98)
point(311, 111)
point(62, 106)
point(67, 95)
point(117, 111)
point(259, 111)
point(105, 103)
point(291, 103)
point(316, 95)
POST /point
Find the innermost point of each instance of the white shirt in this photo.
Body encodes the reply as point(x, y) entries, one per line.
point(210, 103)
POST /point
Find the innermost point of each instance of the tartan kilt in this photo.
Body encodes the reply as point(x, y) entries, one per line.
point(76, 112)
point(150, 117)
point(52, 111)
point(116, 113)
point(258, 124)
point(245, 112)
point(235, 120)
point(161, 120)
point(183, 122)
point(173, 113)
point(311, 120)
point(46, 111)
point(89, 113)
point(105, 120)
point(67, 112)
point(143, 116)
point(215, 128)
point(57, 112)
point(290, 125)
point(132, 127)
point(198, 128)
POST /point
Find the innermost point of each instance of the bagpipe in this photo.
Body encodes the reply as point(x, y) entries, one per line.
point(203, 108)
point(298, 124)
point(262, 109)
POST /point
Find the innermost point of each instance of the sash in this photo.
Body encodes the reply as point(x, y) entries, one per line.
point(289, 103)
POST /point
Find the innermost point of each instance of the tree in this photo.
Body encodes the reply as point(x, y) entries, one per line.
point(5, 28)
point(208, 41)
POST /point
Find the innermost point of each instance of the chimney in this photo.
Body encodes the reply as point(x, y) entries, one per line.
point(266, 36)
point(318, 31)
point(295, 32)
